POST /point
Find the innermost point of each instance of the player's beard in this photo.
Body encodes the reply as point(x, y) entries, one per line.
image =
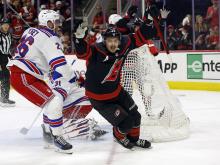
point(113, 49)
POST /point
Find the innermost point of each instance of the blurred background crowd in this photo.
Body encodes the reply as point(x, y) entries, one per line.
point(191, 25)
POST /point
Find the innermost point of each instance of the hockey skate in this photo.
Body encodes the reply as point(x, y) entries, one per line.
point(125, 142)
point(143, 144)
point(56, 142)
point(61, 145)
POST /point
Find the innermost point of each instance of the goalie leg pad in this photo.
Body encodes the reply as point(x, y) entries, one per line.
point(76, 111)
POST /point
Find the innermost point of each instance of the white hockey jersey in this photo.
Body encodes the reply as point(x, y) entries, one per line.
point(40, 53)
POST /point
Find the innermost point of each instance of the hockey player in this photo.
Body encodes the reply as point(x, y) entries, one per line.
point(38, 54)
point(128, 76)
point(102, 84)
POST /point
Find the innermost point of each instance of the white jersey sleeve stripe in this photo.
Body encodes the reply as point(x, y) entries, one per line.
point(57, 62)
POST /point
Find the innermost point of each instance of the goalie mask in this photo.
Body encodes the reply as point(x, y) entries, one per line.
point(49, 15)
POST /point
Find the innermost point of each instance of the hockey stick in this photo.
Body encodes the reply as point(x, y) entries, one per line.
point(25, 130)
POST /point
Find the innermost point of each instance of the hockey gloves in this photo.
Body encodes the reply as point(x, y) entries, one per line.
point(150, 13)
point(152, 48)
point(164, 13)
point(81, 31)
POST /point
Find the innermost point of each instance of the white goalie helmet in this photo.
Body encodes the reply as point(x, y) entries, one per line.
point(114, 18)
point(48, 15)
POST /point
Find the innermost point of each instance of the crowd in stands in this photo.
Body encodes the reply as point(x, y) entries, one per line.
point(206, 31)
point(27, 11)
point(179, 37)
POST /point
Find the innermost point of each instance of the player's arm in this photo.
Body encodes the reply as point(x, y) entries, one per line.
point(147, 31)
point(60, 71)
point(83, 49)
point(122, 24)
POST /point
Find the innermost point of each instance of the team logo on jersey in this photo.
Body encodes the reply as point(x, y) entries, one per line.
point(114, 71)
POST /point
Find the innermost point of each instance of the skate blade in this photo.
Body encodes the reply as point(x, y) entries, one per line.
point(141, 148)
point(64, 151)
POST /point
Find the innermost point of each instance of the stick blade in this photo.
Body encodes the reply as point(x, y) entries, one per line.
point(24, 131)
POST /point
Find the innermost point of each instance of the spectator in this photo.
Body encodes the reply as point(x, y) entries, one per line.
point(200, 26)
point(98, 20)
point(52, 6)
point(212, 14)
point(59, 7)
point(28, 12)
point(65, 39)
point(67, 21)
point(171, 38)
point(1, 9)
point(213, 38)
point(187, 24)
point(185, 42)
point(16, 6)
point(200, 42)
point(187, 21)
point(43, 7)
point(17, 26)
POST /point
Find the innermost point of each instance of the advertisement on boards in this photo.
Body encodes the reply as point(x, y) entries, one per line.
point(204, 66)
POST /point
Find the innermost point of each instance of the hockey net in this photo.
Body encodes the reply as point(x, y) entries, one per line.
point(162, 116)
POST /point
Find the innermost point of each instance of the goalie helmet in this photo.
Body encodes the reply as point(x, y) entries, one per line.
point(114, 18)
point(48, 15)
point(111, 31)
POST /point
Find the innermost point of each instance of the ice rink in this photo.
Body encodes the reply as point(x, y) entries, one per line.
point(202, 148)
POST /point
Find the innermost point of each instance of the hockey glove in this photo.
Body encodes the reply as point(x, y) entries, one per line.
point(151, 12)
point(164, 13)
point(132, 11)
point(81, 32)
point(81, 81)
point(152, 48)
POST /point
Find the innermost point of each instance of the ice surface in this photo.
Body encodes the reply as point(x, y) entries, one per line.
point(202, 148)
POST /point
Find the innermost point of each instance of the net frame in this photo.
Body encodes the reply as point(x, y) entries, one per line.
point(162, 116)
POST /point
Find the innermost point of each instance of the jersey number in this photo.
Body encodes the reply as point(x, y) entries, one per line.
point(23, 46)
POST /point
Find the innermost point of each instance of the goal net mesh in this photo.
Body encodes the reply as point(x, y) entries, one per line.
point(162, 116)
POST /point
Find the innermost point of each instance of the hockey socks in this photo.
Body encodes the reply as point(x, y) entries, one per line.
point(122, 139)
